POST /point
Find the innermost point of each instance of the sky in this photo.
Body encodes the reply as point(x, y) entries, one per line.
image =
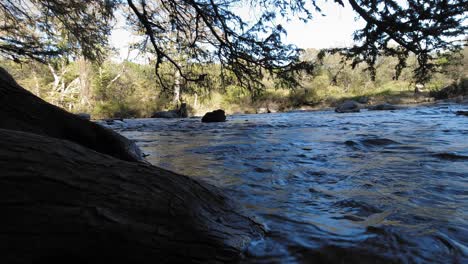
point(330, 31)
point(333, 30)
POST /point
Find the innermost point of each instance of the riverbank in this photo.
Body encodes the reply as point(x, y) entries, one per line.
point(326, 97)
point(281, 100)
point(400, 100)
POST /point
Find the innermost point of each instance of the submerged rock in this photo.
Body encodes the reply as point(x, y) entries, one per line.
point(465, 113)
point(348, 107)
point(385, 106)
point(450, 156)
point(378, 142)
point(215, 116)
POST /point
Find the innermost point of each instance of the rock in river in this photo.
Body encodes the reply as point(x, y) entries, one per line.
point(166, 114)
point(348, 107)
point(215, 116)
point(363, 100)
point(385, 106)
point(176, 113)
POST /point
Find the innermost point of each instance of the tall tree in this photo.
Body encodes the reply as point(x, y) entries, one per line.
point(428, 29)
point(210, 31)
point(41, 29)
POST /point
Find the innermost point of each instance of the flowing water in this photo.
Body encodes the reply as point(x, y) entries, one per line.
point(369, 187)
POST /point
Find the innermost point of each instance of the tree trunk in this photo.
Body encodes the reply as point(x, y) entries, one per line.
point(84, 68)
point(176, 97)
point(23, 111)
point(37, 89)
point(195, 101)
point(64, 203)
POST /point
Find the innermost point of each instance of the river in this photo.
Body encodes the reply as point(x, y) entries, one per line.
point(369, 187)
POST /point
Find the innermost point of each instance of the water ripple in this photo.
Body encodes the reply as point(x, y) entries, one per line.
point(370, 187)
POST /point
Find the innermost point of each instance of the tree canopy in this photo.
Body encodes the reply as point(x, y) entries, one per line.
point(210, 31)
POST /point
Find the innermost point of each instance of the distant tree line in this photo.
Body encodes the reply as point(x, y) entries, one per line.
point(128, 89)
point(207, 32)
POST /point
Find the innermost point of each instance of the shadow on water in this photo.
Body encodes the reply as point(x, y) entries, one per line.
point(371, 187)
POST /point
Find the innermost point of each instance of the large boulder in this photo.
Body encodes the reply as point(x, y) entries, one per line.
point(215, 116)
point(385, 106)
point(72, 193)
point(64, 203)
point(348, 107)
point(363, 100)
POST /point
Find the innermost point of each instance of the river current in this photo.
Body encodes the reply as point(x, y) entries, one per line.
point(368, 187)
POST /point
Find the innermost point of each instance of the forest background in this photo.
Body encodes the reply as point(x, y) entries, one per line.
point(130, 90)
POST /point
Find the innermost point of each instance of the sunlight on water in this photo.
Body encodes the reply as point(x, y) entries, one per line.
point(364, 187)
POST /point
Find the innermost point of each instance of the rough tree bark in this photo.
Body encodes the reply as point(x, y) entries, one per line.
point(64, 203)
point(23, 111)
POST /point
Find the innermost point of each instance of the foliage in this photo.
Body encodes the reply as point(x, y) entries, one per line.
point(128, 89)
point(43, 29)
point(428, 29)
point(205, 32)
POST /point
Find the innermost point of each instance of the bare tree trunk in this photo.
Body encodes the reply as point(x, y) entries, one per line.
point(23, 111)
point(64, 203)
point(37, 89)
point(195, 101)
point(176, 99)
point(56, 82)
point(85, 81)
point(58, 86)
